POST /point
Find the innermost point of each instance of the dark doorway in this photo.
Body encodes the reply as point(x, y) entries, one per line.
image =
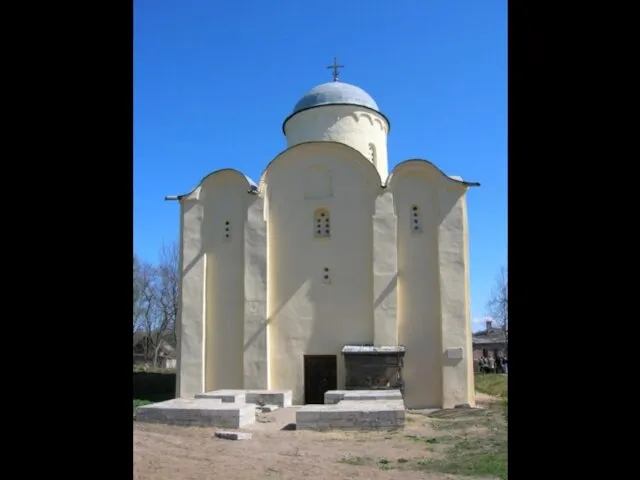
point(320, 376)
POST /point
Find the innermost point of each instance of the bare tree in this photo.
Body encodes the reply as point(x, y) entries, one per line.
point(143, 295)
point(167, 297)
point(145, 305)
point(137, 294)
point(498, 306)
point(155, 302)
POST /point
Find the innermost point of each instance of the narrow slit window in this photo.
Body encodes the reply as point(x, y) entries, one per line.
point(372, 153)
point(416, 221)
point(227, 231)
point(326, 279)
point(322, 223)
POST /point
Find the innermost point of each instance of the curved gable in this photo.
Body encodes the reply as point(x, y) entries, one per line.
point(423, 167)
point(340, 150)
point(231, 173)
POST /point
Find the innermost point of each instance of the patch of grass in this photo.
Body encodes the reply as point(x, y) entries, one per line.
point(460, 425)
point(492, 384)
point(462, 419)
point(457, 414)
point(465, 442)
point(419, 438)
point(471, 451)
point(453, 425)
point(383, 463)
point(424, 463)
point(482, 457)
point(139, 403)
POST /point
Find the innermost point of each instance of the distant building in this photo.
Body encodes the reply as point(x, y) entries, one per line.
point(489, 342)
point(143, 349)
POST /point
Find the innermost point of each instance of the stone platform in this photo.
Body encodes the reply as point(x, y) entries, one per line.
point(334, 396)
point(343, 409)
point(226, 396)
point(352, 415)
point(280, 398)
point(195, 412)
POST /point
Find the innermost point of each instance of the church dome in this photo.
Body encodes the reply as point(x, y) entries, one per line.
point(335, 93)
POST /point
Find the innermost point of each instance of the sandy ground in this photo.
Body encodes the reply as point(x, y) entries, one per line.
point(164, 452)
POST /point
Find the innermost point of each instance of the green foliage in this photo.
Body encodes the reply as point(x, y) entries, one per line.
point(492, 384)
point(465, 442)
point(419, 438)
point(473, 456)
point(139, 403)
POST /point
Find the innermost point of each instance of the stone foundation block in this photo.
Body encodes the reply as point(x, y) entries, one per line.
point(334, 396)
point(268, 408)
point(352, 415)
point(198, 413)
point(226, 396)
point(281, 398)
point(233, 435)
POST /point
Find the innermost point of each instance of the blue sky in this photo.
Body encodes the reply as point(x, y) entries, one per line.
point(436, 68)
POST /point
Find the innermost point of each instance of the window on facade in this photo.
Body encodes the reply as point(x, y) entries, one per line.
point(322, 223)
point(372, 153)
point(416, 224)
point(326, 279)
point(227, 230)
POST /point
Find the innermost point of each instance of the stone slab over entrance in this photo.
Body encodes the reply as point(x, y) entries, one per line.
point(352, 415)
point(198, 413)
point(280, 398)
point(334, 396)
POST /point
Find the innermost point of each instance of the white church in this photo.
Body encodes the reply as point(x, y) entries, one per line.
point(328, 250)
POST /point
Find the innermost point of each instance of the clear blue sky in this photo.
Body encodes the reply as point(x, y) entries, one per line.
point(437, 69)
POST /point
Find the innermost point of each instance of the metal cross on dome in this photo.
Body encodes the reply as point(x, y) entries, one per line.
point(335, 68)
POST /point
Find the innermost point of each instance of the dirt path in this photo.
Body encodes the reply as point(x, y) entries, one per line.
point(163, 452)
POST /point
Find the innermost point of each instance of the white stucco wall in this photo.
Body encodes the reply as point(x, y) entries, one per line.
point(190, 331)
point(308, 315)
point(355, 126)
point(212, 297)
point(457, 371)
point(433, 287)
point(418, 291)
point(385, 271)
point(225, 197)
point(255, 293)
